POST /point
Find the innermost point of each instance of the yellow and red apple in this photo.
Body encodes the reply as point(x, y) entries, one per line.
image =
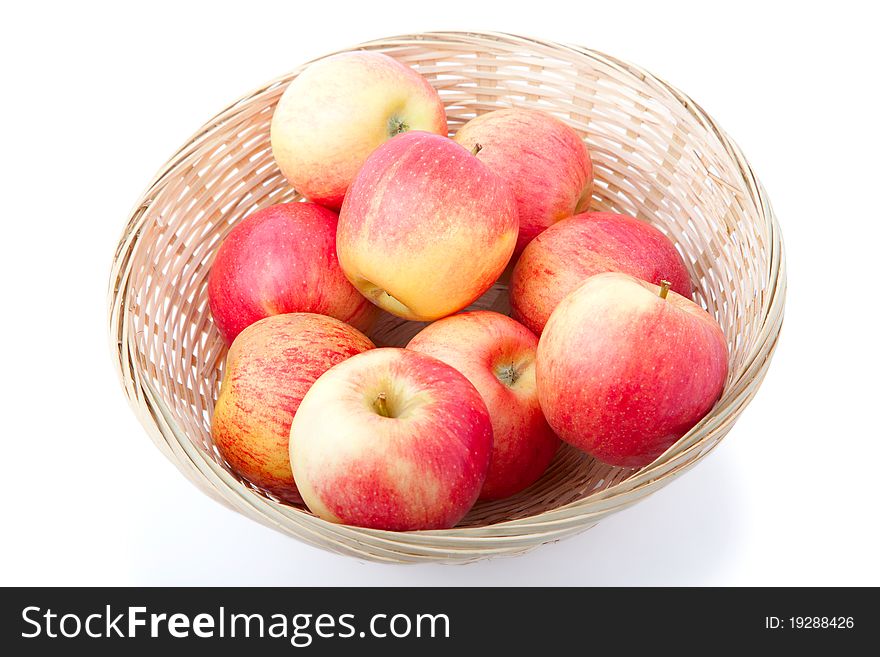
point(543, 160)
point(497, 355)
point(625, 368)
point(562, 257)
point(269, 368)
point(426, 227)
point(391, 439)
point(338, 110)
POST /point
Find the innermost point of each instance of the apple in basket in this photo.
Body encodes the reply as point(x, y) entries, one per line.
point(338, 110)
point(562, 257)
point(497, 355)
point(625, 368)
point(542, 159)
point(269, 367)
point(426, 227)
point(282, 259)
point(391, 439)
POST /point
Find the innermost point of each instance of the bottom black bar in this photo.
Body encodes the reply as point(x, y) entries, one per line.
point(433, 621)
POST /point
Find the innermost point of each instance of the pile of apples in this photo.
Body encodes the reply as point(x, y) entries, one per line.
point(605, 348)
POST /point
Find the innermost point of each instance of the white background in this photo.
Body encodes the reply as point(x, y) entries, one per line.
point(96, 97)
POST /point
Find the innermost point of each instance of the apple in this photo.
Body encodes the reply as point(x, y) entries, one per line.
point(391, 439)
point(269, 367)
point(338, 110)
point(625, 368)
point(542, 159)
point(562, 257)
point(282, 259)
point(426, 227)
point(497, 355)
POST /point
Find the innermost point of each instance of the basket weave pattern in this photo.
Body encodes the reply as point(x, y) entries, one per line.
point(656, 156)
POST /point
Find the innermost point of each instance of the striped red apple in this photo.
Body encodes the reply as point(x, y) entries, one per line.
point(497, 355)
point(282, 259)
point(625, 368)
point(543, 160)
point(269, 368)
point(562, 257)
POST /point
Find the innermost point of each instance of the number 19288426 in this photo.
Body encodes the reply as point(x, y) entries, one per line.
point(809, 622)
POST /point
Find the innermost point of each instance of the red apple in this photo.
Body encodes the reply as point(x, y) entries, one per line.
point(269, 368)
point(282, 259)
point(338, 110)
point(625, 368)
point(569, 252)
point(391, 439)
point(426, 227)
point(542, 159)
point(497, 355)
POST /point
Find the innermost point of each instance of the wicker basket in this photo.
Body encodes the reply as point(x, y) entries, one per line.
point(657, 156)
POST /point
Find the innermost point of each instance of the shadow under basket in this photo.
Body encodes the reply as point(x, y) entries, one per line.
point(656, 156)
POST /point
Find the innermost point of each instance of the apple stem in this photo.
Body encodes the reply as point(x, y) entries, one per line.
point(664, 288)
point(476, 149)
point(397, 126)
point(507, 374)
point(382, 405)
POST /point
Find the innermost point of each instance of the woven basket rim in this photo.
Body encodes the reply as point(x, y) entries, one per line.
point(151, 409)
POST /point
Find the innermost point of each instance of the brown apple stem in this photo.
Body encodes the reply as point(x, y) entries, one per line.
point(382, 405)
point(476, 149)
point(664, 288)
point(507, 374)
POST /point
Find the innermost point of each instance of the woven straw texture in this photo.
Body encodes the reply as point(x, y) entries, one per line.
point(657, 155)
